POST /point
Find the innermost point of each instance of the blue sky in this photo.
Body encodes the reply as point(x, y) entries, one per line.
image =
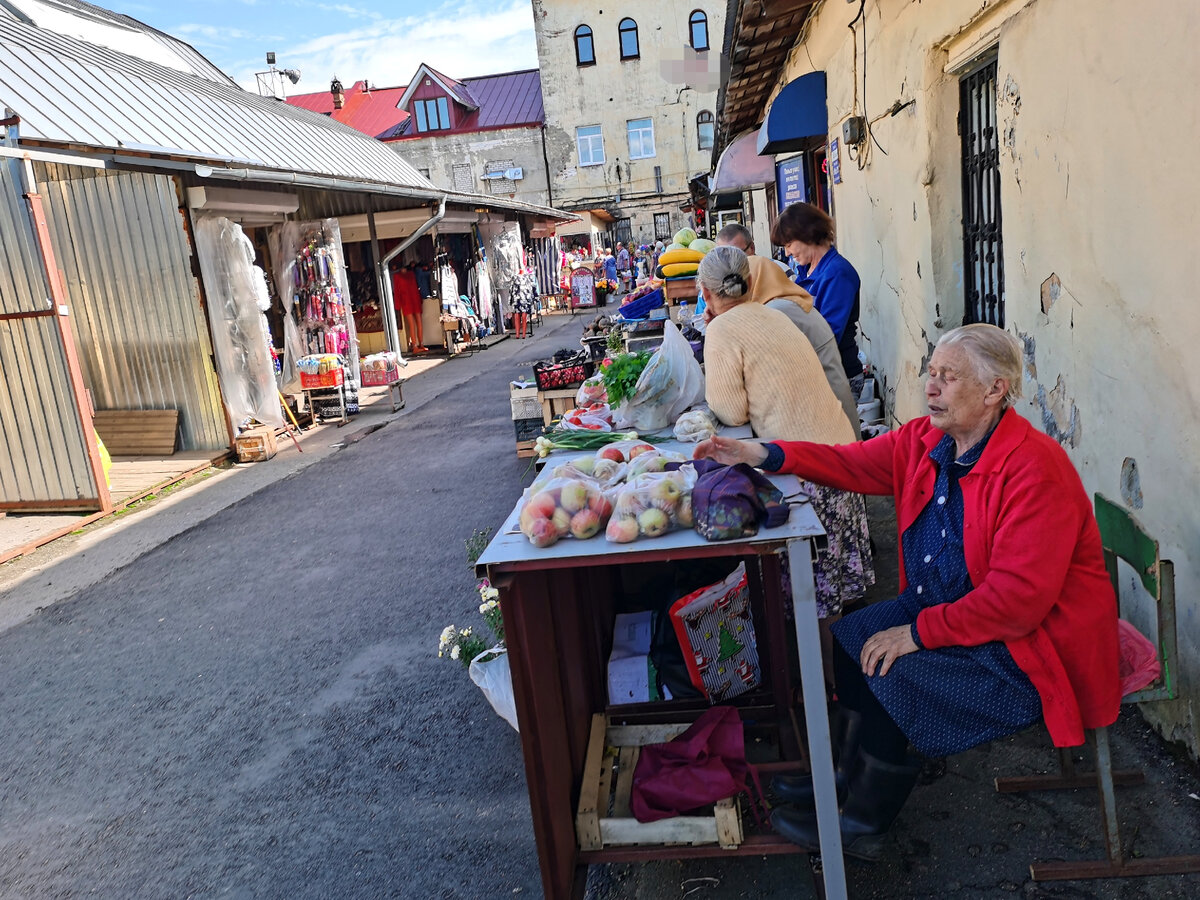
point(380, 41)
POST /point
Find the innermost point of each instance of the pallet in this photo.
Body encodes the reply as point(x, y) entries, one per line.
point(137, 432)
point(525, 449)
point(603, 818)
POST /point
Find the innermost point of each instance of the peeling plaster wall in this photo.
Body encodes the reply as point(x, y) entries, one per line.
point(1099, 228)
point(441, 153)
point(613, 91)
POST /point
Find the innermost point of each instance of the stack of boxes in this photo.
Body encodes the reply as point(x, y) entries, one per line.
point(527, 416)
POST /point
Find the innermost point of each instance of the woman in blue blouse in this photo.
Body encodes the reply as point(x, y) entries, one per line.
point(806, 233)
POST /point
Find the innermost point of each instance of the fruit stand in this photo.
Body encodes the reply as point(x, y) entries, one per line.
point(559, 604)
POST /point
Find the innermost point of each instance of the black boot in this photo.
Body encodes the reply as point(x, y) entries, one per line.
point(875, 796)
point(798, 789)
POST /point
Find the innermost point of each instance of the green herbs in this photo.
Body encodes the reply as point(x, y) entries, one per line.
point(621, 375)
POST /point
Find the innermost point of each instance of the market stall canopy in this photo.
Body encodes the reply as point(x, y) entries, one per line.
point(759, 36)
point(797, 114)
point(741, 168)
point(71, 93)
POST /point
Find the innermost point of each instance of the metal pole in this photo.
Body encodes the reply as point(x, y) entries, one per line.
point(383, 281)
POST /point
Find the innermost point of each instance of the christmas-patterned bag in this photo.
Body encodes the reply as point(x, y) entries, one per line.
point(716, 634)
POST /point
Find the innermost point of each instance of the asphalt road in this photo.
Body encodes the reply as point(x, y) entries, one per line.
point(255, 709)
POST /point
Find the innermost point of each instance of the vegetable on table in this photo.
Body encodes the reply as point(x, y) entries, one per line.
point(621, 373)
point(560, 439)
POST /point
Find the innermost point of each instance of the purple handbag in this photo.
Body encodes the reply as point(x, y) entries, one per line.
point(733, 501)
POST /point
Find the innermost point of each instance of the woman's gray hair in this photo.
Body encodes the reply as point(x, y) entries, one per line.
point(994, 353)
point(726, 272)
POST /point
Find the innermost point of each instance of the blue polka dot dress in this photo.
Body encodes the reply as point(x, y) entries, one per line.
point(953, 698)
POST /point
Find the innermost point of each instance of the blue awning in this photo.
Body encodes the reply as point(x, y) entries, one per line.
point(796, 114)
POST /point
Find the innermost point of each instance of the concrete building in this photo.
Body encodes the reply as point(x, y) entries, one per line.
point(978, 157)
point(630, 94)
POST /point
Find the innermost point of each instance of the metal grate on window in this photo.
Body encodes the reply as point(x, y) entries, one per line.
point(983, 259)
point(662, 226)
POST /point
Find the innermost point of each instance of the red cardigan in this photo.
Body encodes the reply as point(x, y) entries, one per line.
point(1033, 550)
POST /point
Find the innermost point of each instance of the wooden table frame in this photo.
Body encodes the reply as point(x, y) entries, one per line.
point(553, 601)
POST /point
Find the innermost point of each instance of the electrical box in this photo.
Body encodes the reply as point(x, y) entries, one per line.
point(854, 130)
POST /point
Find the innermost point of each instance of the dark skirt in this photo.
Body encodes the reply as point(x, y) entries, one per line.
point(949, 699)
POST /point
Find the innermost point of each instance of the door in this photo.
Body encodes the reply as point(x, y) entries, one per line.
point(983, 259)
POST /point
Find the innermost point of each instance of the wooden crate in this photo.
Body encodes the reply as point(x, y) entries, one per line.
point(137, 432)
point(676, 289)
point(256, 444)
point(525, 449)
point(555, 403)
point(603, 818)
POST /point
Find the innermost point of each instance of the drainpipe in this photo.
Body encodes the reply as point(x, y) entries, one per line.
point(383, 277)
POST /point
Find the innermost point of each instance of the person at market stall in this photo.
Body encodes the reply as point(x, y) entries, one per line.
point(773, 288)
point(806, 233)
point(406, 297)
point(610, 269)
point(761, 370)
point(1006, 614)
point(623, 266)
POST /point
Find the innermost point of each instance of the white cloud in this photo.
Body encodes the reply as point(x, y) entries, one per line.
point(461, 39)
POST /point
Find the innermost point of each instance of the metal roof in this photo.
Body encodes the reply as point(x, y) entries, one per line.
point(372, 111)
point(70, 92)
point(507, 100)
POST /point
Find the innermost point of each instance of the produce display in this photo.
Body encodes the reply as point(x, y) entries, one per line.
point(652, 504)
point(566, 439)
point(682, 257)
point(564, 507)
point(620, 374)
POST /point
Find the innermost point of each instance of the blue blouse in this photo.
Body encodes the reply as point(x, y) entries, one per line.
point(953, 698)
point(835, 284)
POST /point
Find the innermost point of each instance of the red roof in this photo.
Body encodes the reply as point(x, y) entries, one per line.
point(507, 100)
point(372, 112)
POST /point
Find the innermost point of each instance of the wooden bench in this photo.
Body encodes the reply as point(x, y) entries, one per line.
point(137, 432)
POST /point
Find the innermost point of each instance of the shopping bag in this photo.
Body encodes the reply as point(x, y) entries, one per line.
point(733, 501)
point(671, 382)
point(492, 676)
point(1139, 666)
point(716, 634)
point(705, 764)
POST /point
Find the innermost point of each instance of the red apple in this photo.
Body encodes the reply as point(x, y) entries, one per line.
point(639, 449)
point(584, 524)
point(613, 453)
point(543, 533)
point(622, 530)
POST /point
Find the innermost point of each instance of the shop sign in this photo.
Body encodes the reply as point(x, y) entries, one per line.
point(835, 160)
point(789, 181)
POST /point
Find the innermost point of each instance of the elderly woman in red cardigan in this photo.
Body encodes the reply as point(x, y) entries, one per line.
point(1006, 615)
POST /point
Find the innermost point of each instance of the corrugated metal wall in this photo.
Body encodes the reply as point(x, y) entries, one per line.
point(141, 334)
point(44, 456)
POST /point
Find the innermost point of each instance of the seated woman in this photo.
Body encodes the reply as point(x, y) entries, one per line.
point(1006, 614)
point(760, 369)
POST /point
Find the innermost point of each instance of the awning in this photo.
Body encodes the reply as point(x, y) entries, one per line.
point(740, 168)
point(796, 114)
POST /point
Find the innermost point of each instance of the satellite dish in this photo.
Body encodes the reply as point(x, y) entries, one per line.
point(293, 75)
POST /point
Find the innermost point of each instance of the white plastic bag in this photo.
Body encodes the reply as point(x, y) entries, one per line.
point(670, 383)
point(492, 676)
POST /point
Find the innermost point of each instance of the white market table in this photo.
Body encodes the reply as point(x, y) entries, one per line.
point(558, 606)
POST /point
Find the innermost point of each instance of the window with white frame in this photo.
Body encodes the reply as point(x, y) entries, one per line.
point(589, 142)
point(705, 129)
point(641, 138)
point(432, 115)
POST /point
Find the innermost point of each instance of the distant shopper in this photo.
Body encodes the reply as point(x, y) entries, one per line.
point(623, 266)
point(807, 233)
point(610, 269)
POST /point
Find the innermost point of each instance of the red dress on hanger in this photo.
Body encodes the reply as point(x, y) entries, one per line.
point(405, 295)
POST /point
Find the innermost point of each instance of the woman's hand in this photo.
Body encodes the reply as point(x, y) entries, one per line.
point(730, 451)
point(885, 647)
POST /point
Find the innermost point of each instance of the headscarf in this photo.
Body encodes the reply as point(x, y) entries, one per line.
point(769, 282)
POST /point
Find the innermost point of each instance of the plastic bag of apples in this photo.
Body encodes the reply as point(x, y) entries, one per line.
point(564, 507)
point(651, 504)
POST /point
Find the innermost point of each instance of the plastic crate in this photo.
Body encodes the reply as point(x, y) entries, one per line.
point(325, 380)
point(528, 429)
point(380, 377)
point(551, 376)
point(524, 402)
point(640, 308)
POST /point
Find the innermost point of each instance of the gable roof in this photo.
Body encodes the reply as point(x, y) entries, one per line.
point(456, 89)
point(371, 110)
point(507, 100)
point(71, 92)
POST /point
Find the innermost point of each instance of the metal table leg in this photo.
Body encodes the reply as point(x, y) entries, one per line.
point(812, 682)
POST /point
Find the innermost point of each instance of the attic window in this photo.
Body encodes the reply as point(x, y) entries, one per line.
point(432, 115)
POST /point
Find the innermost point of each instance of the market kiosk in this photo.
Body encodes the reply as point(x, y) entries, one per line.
point(559, 605)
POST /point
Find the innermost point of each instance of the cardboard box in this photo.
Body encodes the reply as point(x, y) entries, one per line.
point(255, 444)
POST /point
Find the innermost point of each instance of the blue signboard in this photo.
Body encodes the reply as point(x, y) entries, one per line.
point(835, 162)
point(789, 181)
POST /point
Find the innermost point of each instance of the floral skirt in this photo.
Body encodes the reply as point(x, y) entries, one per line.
point(843, 569)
